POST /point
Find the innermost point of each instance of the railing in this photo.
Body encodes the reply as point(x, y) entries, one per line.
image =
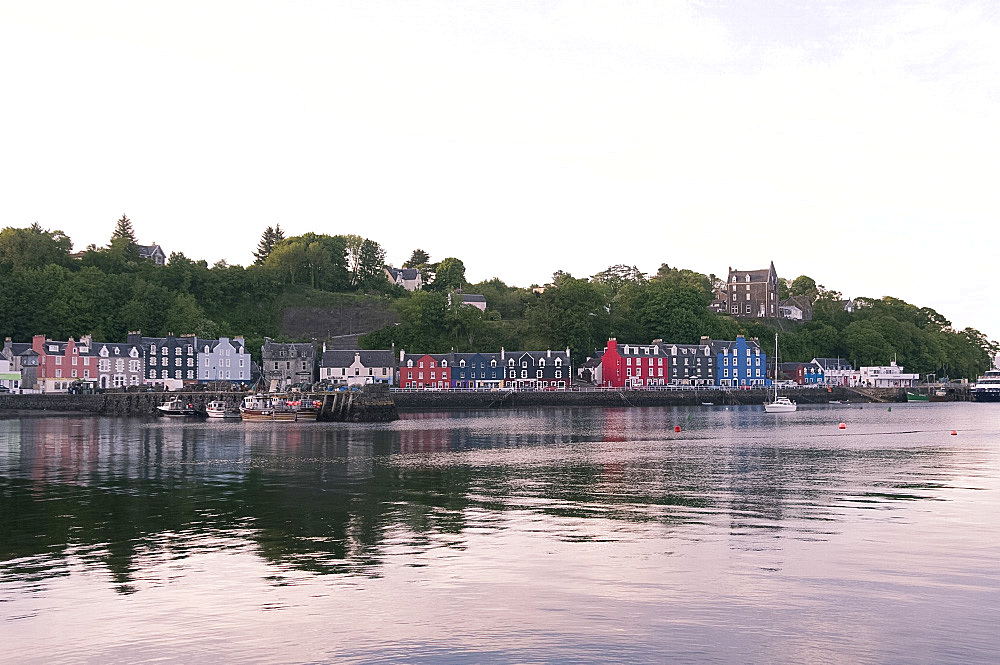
point(602, 389)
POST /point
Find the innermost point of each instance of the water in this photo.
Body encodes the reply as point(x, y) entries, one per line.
point(551, 535)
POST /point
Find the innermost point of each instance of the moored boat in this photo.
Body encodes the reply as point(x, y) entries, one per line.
point(175, 406)
point(778, 404)
point(987, 388)
point(268, 408)
point(219, 409)
point(912, 396)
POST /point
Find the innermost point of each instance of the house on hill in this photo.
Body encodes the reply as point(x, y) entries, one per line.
point(409, 278)
point(152, 253)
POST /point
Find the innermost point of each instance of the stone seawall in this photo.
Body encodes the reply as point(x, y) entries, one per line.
point(502, 399)
point(371, 404)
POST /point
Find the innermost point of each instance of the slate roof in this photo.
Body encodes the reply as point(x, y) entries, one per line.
point(147, 251)
point(833, 363)
point(755, 275)
point(408, 274)
point(345, 358)
point(303, 349)
point(124, 349)
point(718, 346)
point(473, 297)
point(213, 343)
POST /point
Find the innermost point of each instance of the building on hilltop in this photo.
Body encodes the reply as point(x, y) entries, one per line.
point(409, 278)
point(152, 253)
point(748, 294)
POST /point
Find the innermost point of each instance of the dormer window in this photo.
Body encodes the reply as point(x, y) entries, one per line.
point(206, 348)
point(461, 363)
point(152, 350)
point(493, 363)
point(510, 362)
point(118, 351)
point(104, 352)
point(444, 363)
point(558, 362)
point(524, 363)
point(541, 363)
point(409, 363)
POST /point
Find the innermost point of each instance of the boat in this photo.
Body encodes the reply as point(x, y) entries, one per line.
point(942, 395)
point(912, 396)
point(778, 404)
point(987, 387)
point(219, 409)
point(266, 408)
point(708, 403)
point(175, 406)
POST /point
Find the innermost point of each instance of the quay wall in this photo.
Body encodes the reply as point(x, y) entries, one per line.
point(449, 399)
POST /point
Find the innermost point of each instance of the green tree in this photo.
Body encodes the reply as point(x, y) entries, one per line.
point(450, 275)
point(371, 264)
point(123, 231)
point(33, 247)
point(268, 240)
point(803, 286)
point(418, 258)
point(617, 276)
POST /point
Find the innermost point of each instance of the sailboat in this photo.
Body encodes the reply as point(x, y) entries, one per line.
point(778, 404)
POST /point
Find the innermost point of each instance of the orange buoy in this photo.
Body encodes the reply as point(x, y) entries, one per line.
point(677, 428)
point(842, 425)
point(954, 433)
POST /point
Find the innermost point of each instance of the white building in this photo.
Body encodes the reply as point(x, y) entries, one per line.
point(887, 376)
point(9, 379)
point(838, 372)
point(354, 367)
point(223, 360)
point(409, 278)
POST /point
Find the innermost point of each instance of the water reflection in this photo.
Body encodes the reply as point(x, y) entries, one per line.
point(337, 499)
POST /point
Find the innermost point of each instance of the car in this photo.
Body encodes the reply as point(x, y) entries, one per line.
point(4, 389)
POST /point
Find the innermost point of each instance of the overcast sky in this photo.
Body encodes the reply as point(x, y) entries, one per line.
point(855, 142)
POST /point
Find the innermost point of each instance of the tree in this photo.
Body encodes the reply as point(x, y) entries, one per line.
point(617, 276)
point(123, 231)
point(371, 262)
point(33, 247)
point(418, 258)
point(268, 240)
point(803, 286)
point(450, 275)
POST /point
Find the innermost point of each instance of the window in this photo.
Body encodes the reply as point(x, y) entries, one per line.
point(559, 374)
point(59, 360)
point(558, 362)
point(461, 363)
point(538, 374)
point(152, 373)
point(524, 374)
point(409, 363)
point(177, 374)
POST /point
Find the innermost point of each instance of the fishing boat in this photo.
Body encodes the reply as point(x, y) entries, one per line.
point(912, 396)
point(219, 409)
point(175, 406)
point(778, 404)
point(266, 408)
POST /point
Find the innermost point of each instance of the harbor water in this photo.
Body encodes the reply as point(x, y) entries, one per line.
point(512, 536)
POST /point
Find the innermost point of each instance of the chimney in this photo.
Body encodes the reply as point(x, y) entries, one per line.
point(503, 354)
point(549, 353)
point(705, 340)
point(402, 356)
point(612, 344)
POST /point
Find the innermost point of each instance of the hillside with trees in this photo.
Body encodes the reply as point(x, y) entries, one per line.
point(317, 285)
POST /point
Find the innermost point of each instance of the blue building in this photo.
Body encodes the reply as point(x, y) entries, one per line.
point(476, 370)
point(740, 363)
point(813, 373)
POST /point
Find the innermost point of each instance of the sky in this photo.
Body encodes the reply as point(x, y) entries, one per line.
point(854, 142)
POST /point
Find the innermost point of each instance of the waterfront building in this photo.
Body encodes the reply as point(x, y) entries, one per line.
point(62, 363)
point(690, 364)
point(10, 380)
point(287, 364)
point(171, 361)
point(537, 369)
point(23, 360)
point(590, 371)
point(812, 373)
point(476, 370)
point(792, 372)
point(740, 363)
point(430, 370)
point(633, 365)
point(837, 372)
point(409, 278)
point(223, 359)
point(119, 364)
point(356, 367)
point(887, 376)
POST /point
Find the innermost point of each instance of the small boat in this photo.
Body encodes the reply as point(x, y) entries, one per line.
point(266, 408)
point(778, 404)
point(218, 409)
point(916, 397)
point(942, 395)
point(176, 407)
point(708, 403)
point(835, 401)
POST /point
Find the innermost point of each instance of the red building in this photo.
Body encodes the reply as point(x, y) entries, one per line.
point(426, 371)
point(633, 365)
point(61, 363)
